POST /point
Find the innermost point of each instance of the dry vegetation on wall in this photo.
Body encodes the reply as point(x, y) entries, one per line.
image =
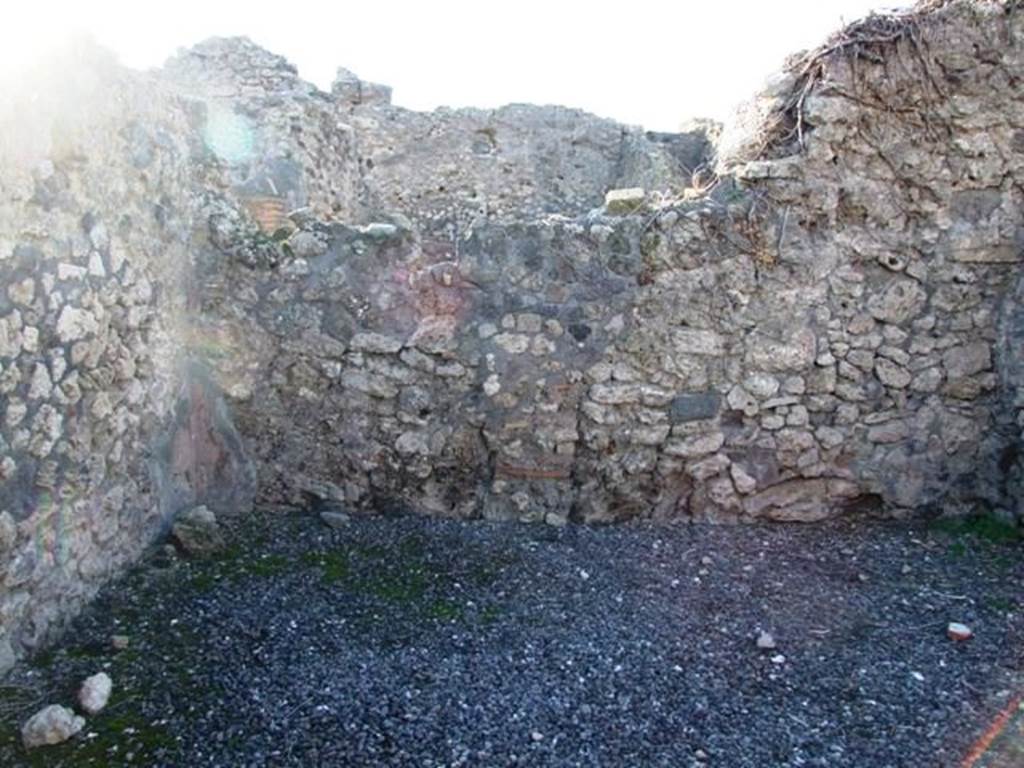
point(893, 38)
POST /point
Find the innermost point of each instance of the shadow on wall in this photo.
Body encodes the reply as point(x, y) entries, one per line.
point(201, 460)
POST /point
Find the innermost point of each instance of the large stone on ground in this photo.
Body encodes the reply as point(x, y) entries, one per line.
point(51, 725)
point(334, 518)
point(198, 533)
point(95, 693)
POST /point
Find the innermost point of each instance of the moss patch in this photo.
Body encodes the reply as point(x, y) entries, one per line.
point(333, 565)
point(984, 527)
point(109, 739)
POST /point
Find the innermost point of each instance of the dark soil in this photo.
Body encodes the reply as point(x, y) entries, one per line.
point(421, 642)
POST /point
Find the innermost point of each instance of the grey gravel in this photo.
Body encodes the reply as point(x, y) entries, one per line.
point(415, 642)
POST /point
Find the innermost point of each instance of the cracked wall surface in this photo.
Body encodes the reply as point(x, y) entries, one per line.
point(223, 283)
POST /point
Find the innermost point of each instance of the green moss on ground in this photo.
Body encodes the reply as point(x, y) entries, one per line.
point(984, 527)
point(112, 738)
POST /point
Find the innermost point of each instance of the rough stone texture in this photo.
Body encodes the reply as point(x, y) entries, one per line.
point(95, 693)
point(96, 192)
point(197, 532)
point(50, 725)
point(618, 365)
point(224, 274)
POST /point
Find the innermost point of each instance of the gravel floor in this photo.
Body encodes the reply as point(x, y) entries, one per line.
point(420, 642)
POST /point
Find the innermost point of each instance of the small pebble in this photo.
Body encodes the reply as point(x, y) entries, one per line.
point(765, 641)
point(958, 632)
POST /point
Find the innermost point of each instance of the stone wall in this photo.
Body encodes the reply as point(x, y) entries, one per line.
point(819, 332)
point(224, 280)
point(105, 426)
point(452, 170)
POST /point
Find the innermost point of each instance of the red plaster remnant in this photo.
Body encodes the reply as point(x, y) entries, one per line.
point(268, 212)
point(540, 473)
point(198, 456)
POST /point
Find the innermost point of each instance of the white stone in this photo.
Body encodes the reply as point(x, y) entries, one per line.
point(22, 292)
point(891, 374)
point(542, 346)
point(70, 271)
point(958, 632)
point(765, 641)
point(742, 480)
point(10, 334)
point(492, 385)
point(96, 268)
point(890, 432)
point(798, 416)
point(615, 394)
point(74, 324)
point(452, 370)
point(655, 435)
point(529, 322)
point(40, 386)
point(829, 437)
point(51, 725)
point(16, 410)
point(740, 399)
point(901, 301)
point(709, 467)
point(689, 341)
point(95, 693)
point(101, 407)
point(375, 342)
point(698, 445)
point(413, 444)
point(761, 385)
point(30, 339)
point(927, 380)
point(967, 360)
point(380, 230)
point(513, 343)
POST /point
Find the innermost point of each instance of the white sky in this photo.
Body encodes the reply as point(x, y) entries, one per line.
point(646, 63)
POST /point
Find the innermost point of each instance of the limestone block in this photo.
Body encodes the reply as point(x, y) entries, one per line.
point(620, 202)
